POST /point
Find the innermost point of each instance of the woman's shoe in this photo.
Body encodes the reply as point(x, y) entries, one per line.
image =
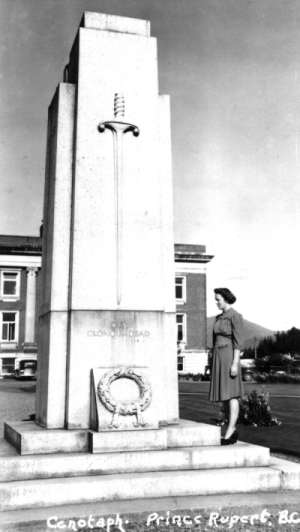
point(231, 440)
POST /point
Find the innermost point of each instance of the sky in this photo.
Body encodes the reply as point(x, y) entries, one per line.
point(232, 70)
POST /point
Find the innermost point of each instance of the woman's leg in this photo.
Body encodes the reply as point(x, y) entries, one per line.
point(226, 410)
point(234, 407)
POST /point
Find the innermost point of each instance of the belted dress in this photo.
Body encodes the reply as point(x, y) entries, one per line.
point(227, 336)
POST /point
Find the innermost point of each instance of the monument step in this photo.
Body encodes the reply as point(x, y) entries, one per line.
point(92, 489)
point(14, 467)
point(31, 439)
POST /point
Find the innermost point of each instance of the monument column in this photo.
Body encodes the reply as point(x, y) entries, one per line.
point(108, 308)
point(30, 343)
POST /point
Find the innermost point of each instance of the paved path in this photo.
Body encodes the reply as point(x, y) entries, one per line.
point(17, 400)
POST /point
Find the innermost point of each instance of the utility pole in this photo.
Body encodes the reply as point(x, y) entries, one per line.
point(255, 350)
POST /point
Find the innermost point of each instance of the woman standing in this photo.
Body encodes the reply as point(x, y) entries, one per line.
point(226, 377)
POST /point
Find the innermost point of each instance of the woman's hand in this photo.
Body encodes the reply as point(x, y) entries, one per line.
point(234, 369)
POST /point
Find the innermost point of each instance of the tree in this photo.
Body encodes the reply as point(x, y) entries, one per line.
point(285, 342)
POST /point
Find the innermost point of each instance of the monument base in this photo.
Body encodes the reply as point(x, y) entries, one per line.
point(31, 439)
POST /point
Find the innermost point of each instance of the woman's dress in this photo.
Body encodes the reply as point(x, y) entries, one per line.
point(227, 336)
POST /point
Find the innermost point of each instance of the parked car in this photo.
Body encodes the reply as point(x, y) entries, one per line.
point(284, 370)
point(249, 371)
point(26, 369)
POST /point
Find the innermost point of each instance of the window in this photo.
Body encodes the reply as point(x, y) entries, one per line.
point(181, 327)
point(9, 326)
point(10, 285)
point(179, 363)
point(180, 283)
point(8, 366)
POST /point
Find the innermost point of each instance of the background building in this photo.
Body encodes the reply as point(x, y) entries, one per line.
point(20, 285)
point(190, 292)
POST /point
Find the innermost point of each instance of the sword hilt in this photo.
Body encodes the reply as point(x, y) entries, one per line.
point(119, 105)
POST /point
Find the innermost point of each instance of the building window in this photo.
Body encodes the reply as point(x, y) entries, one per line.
point(180, 363)
point(180, 291)
point(10, 285)
point(8, 366)
point(9, 326)
point(181, 327)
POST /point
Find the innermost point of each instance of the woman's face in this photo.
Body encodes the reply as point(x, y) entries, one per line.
point(221, 303)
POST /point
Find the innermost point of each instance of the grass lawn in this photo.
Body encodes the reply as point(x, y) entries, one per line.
point(284, 438)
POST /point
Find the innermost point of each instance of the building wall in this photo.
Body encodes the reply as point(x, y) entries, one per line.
point(196, 311)
point(193, 361)
point(190, 267)
point(194, 350)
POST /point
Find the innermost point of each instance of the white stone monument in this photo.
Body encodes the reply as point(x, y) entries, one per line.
point(108, 297)
point(107, 363)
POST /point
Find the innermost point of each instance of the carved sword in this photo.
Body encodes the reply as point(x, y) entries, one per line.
point(118, 128)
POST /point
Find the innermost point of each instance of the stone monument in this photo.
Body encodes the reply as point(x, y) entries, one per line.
point(108, 295)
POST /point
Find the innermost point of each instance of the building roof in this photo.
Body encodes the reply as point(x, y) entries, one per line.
point(20, 245)
point(191, 253)
point(32, 245)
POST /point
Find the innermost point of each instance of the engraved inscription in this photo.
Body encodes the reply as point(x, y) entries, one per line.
point(118, 330)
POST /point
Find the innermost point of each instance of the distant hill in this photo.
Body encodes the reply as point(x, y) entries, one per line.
point(251, 330)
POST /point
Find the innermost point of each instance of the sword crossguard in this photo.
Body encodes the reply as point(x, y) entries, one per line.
point(116, 127)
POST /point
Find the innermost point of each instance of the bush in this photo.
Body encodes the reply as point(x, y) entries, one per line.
point(192, 376)
point(198, 377)
point(277, 359)
point(185, 376)
point(277, 378)
point(254, 410)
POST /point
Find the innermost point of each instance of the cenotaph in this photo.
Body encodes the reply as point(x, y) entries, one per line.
point(106, 425)
point(108, 297)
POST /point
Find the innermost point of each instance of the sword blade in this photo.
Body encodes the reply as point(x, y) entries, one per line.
point(118, 137)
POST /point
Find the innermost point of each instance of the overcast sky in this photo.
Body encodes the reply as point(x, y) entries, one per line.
point(232, 69)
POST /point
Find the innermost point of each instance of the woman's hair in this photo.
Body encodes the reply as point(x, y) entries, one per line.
point(226, 294)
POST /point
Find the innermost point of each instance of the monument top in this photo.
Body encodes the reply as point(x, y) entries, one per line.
point(100, 21)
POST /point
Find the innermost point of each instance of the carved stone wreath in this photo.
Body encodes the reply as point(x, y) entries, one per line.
point(125, 408)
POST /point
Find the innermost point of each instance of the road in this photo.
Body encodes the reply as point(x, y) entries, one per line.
point(17, 400)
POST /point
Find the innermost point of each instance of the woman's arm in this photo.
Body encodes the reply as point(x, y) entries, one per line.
point(235, 362)
point(237, 337)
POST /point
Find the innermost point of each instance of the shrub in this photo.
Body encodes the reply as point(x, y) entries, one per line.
point(262, 364)
point(274, 378)
point(198, 377)
point(277, 359)
point(185, 376)
point(254, 410)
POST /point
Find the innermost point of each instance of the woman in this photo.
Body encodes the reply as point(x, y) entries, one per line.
point(226, 378)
